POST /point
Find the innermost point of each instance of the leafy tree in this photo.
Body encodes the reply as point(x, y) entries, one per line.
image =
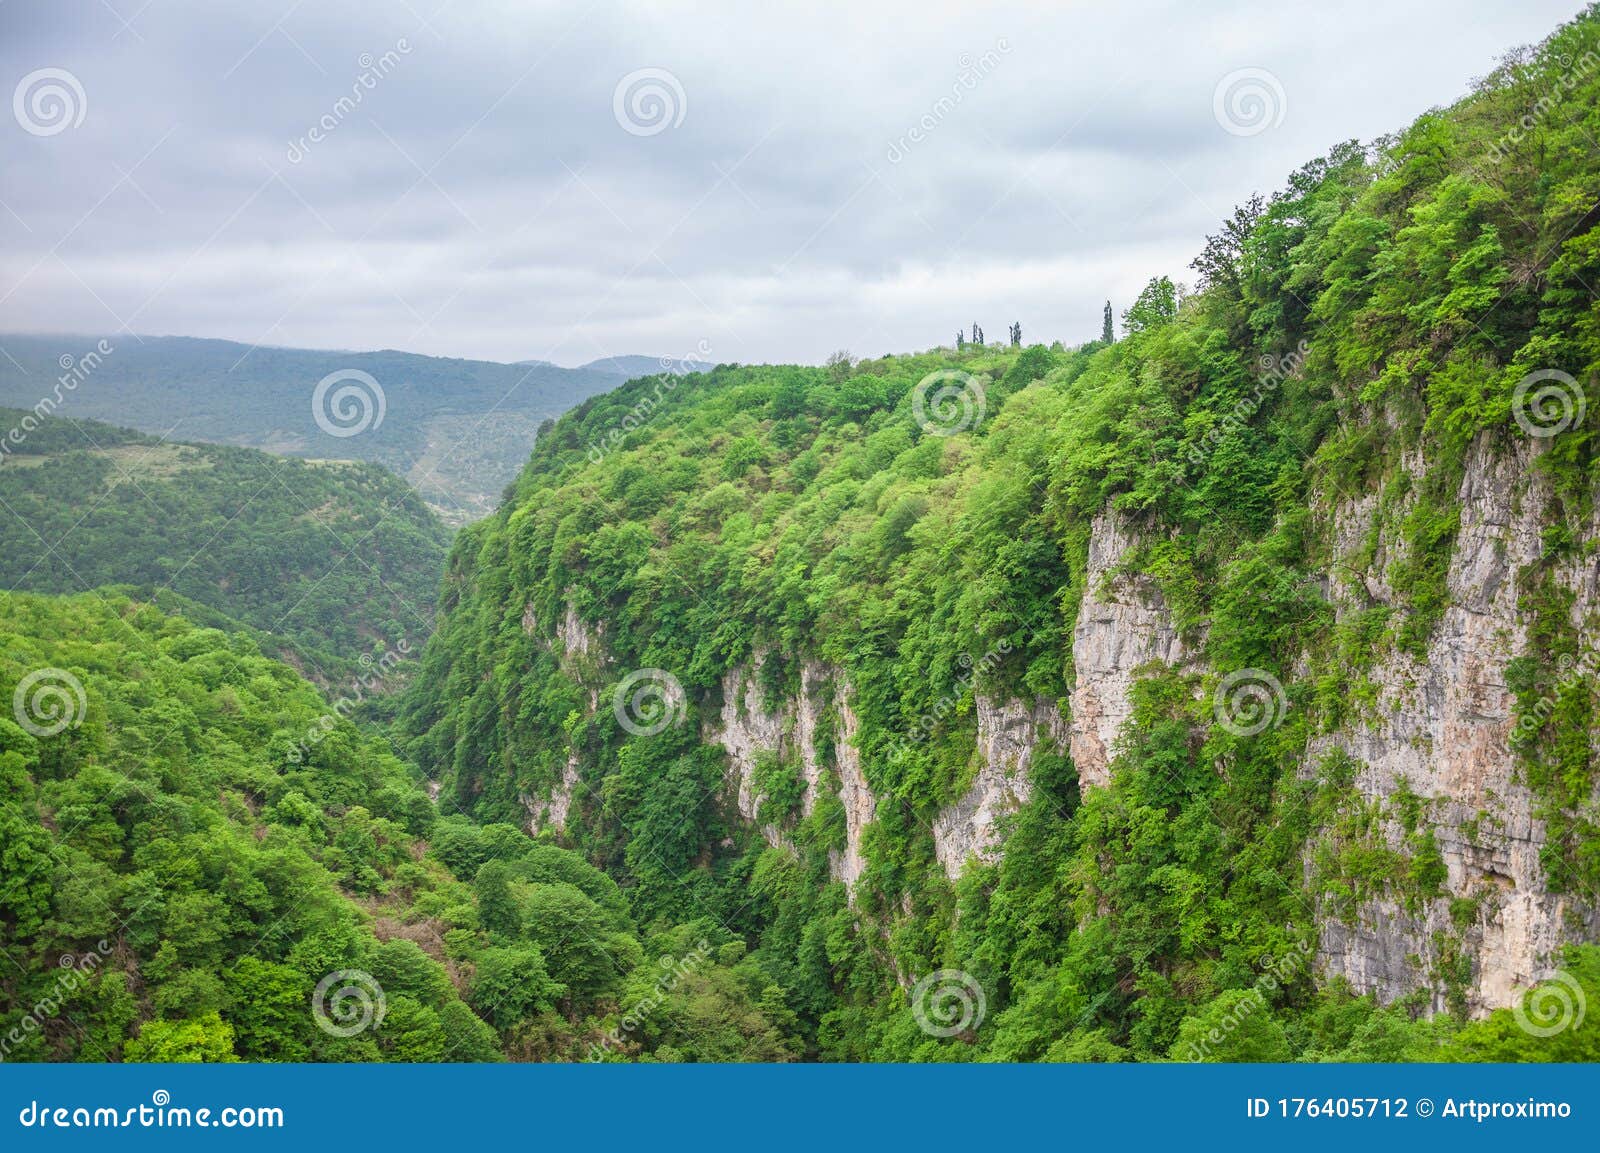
point(205, 1038)
point(511, 985)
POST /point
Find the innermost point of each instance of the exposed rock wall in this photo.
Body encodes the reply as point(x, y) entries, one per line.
point(551, 812)
point(1441, 729)
point(749, 725)
point(1008, 734)
point(860, 806)
point(1123, 625)
point(582, 653)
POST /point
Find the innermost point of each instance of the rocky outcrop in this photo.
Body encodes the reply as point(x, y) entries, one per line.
point(1008, 734)
point(860, 806)
point(551, 812)
point(750, 726)
point(582, 653)
point(1123, 625)
point(1440, 729)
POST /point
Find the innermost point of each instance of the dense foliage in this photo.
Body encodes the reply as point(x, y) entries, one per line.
point(1377, 312)
point(328, 562)
point(231, 867)
point(177, 881)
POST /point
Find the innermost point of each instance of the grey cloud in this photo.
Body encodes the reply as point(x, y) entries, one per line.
point(481, 200)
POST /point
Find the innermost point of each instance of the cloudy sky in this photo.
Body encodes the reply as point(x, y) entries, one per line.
point(476, 178)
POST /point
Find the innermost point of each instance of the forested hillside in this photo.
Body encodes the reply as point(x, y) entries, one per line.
point(331, 562)
point(458, 430)
point(1203, 694)
point(1220, 690)
point(198, 861)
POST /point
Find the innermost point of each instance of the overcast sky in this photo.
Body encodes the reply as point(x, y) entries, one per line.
point(784, 180)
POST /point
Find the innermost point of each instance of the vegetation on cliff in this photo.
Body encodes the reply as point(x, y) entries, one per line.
point(1385, 308)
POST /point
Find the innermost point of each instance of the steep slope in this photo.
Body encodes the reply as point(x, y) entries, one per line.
point(458, 430)
point(331, 563)
point(200, 861)
point(1238, 661)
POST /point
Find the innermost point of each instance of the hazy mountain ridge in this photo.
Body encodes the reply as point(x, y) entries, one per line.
point(457, 429)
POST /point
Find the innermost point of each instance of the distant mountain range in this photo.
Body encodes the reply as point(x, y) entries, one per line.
point(458, 430)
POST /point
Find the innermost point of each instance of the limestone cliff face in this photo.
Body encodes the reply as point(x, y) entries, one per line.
point(860, 806)
point(1123, 626)
point(1440, 729)
point(1008, 734)
point(551, 812)
point(749, 726)
point(1437, 729)
point(582, 652)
